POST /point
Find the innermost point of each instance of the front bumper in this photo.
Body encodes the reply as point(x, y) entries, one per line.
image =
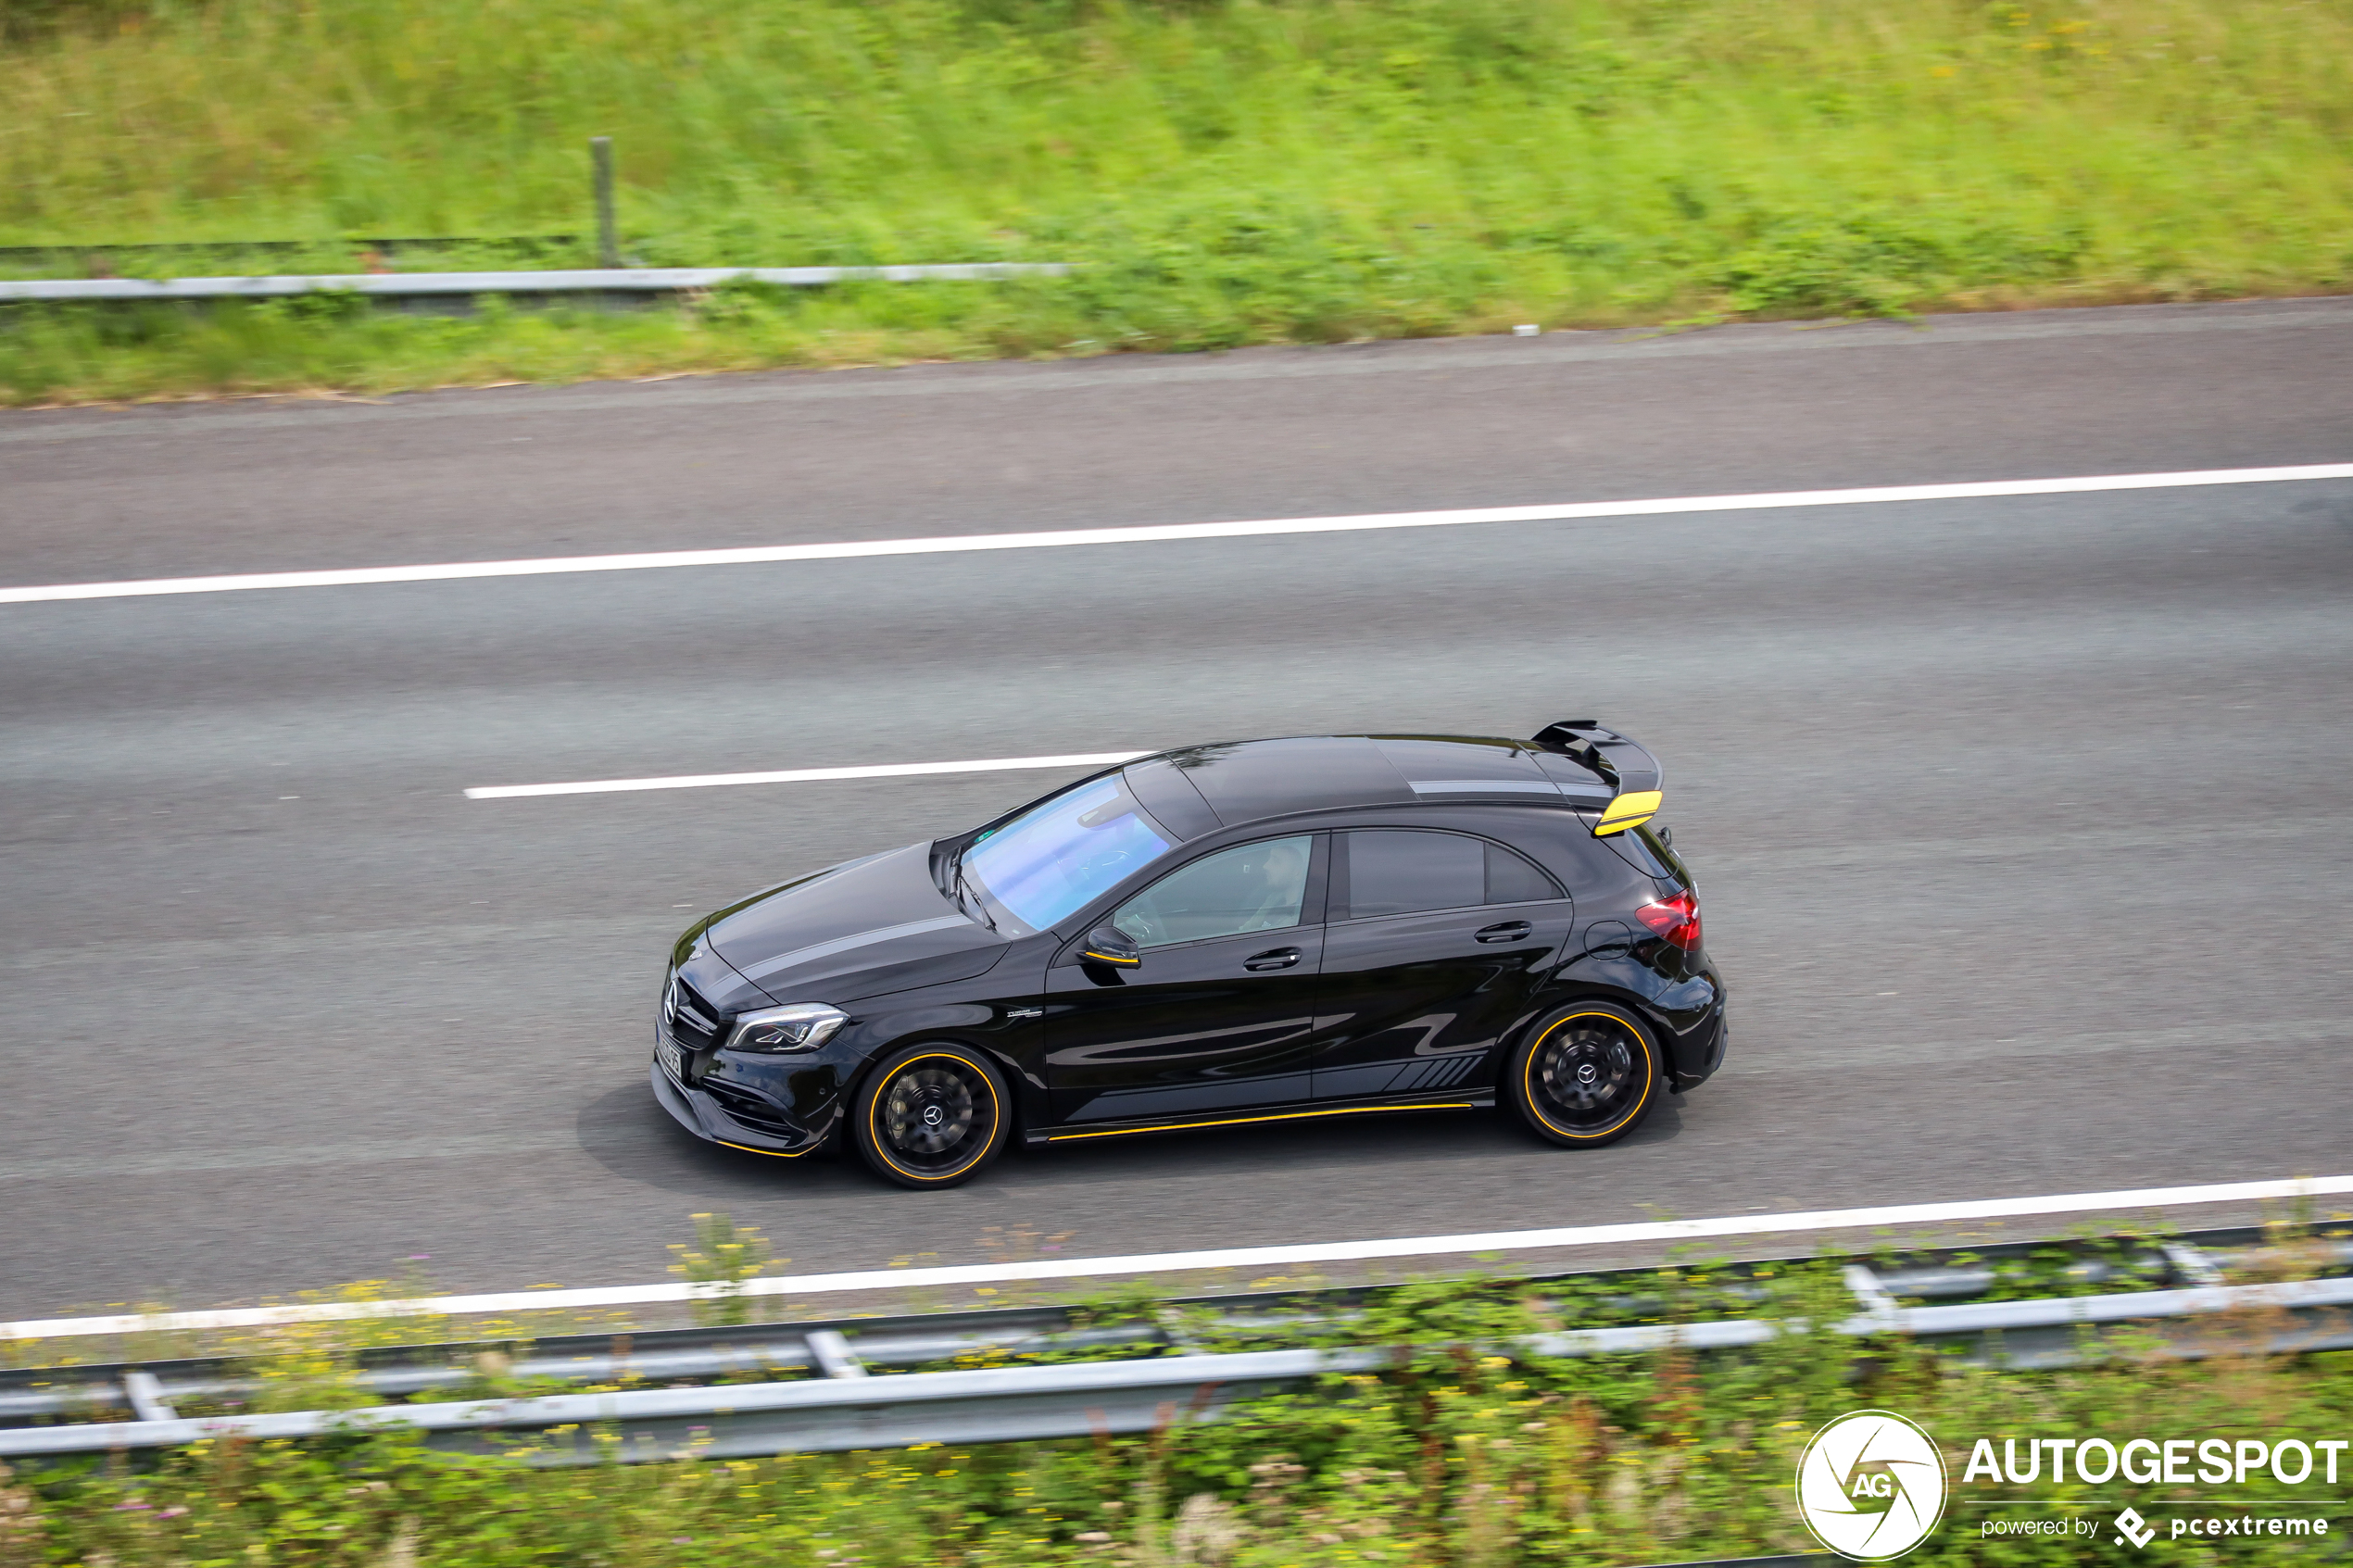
point(732, 1117)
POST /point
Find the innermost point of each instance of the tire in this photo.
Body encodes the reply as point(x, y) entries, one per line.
point(931, 1116)
point(1586, 1075)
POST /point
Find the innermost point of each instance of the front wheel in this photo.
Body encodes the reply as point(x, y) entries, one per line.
point(931, 1116)
point(1586, 1075)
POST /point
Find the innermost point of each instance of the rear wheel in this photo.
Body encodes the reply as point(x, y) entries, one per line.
point(931, 1116)
point(1586, 1075)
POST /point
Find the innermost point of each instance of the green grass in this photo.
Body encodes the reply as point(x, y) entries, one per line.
point(1227, 172)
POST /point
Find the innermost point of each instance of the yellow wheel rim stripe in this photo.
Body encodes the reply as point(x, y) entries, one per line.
point(1527, 1072)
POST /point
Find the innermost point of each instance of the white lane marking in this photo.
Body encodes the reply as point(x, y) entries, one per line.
point(809, 775)
point(1563, 511)
point(1225, 1258)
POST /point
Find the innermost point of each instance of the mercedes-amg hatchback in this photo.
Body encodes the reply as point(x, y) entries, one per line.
point(1254, 930)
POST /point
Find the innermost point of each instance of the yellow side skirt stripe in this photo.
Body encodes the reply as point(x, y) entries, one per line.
point(1278, 1116)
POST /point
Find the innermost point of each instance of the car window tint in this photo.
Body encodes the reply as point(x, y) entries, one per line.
point(1396, 873)
point(1073, 849)
point(1511, 880)
point(1251, 887)
point(1646, 851)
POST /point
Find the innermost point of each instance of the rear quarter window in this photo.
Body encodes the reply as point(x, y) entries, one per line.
point(1644, 850)
point(1510, 879)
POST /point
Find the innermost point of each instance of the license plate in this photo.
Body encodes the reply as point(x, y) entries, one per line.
point(673, 1059)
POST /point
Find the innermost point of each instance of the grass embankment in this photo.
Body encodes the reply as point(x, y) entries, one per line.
point(1455, 1458)
point(1227, 173)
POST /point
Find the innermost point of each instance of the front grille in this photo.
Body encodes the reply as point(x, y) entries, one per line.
point(752, 1111)
point(692, 1021)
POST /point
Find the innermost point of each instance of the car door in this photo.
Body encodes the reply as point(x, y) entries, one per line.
point(1434, 943)
point(1220, 1012)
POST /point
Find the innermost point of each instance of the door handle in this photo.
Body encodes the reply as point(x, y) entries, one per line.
point(1505, 931)
point(1274, 958)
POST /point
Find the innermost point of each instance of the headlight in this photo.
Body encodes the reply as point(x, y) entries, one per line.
point(803, 1026)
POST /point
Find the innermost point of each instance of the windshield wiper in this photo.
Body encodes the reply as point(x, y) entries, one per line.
point(965, 888)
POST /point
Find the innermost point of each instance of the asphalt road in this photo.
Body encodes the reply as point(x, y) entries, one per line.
point(2022, 825)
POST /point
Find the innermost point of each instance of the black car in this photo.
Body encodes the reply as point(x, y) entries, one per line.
point(1257, 931)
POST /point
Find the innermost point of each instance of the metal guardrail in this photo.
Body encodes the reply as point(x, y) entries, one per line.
point(991, 1405)
point(676, 1355)
point(846, 1407)
point(590, 280)
point(663, 1357)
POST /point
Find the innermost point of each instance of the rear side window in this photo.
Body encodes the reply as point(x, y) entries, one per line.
point(1401, 871)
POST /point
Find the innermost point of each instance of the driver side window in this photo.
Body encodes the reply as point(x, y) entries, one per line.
point(1249, 887)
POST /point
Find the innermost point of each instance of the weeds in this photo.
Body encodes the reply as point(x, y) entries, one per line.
point(724, 1257)
point(1223, 171)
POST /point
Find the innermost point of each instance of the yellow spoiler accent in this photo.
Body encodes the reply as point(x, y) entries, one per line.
point(1629, 811)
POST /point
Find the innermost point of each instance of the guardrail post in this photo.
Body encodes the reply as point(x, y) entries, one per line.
point(1874, 1296)
point(834, 1357)
point(1172, 1328)
point(2192, 1264)
point(608, 237)
point(145, 1392)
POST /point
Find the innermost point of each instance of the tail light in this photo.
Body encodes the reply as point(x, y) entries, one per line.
point(1675, 919)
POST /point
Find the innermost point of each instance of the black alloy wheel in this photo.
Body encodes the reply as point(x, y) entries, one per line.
point(931, 1115)
point(1586, 1075)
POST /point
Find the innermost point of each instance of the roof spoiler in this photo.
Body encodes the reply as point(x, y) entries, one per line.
point(1632, 773)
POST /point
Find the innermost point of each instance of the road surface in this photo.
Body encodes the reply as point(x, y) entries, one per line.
point(283, 1008)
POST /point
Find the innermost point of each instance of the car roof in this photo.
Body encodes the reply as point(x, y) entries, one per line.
point(1242, 782)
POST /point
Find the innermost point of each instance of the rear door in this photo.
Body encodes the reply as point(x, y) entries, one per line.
point(1434, 943)
point(1219, 1014)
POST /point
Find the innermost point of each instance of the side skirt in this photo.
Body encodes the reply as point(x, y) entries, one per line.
point(1473, 1099)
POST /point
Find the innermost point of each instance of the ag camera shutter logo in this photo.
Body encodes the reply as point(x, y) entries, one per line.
point(1871, 1486)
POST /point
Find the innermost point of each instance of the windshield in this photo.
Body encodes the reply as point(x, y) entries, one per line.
point(1058, 856)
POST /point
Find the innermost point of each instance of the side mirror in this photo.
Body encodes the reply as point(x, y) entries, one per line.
point(1109, 945)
